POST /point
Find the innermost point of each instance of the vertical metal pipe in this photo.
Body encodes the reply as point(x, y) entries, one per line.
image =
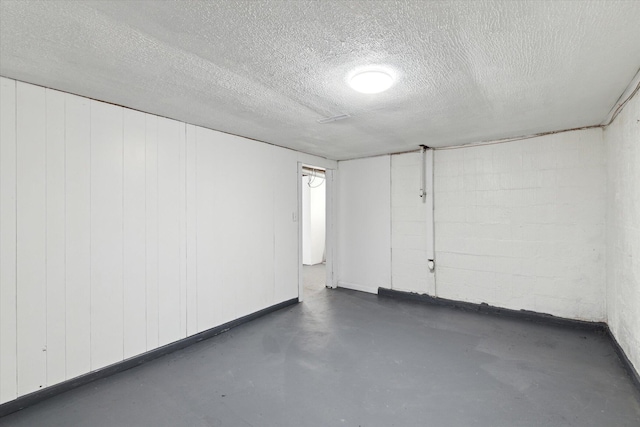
point(423, 174)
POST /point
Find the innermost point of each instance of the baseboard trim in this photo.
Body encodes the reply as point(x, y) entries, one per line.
point(521, 314)
point(356, 287)
point(489, 309)
point(40, 395)
point(626, 363)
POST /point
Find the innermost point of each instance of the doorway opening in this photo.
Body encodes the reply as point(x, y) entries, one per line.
point(315, 246)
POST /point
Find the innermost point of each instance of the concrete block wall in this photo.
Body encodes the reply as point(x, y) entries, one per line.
point(410, 231)
point(622, 140)
point(521, 224)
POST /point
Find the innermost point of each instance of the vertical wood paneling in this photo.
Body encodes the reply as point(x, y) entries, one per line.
point(78, 234)
point(182, 221)
point(56, 360)
point(255, 288)
point(191, 202)
point(31, 233)
point(8, 384)
point(242, 271)
point(225, 195)
point(285, 197)
point(208, 302)
point(135, 295)
point(106, 234)
point(170, 139)
point(151, 183)
point(121, 231)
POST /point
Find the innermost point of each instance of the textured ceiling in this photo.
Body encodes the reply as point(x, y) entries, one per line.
point(268, 70)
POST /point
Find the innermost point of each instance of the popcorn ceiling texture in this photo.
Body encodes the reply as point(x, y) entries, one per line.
point(622, 140)
point(269, 70)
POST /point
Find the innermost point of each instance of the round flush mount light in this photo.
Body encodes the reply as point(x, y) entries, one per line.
point(371, 81)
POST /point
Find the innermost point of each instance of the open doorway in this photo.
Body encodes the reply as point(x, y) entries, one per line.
point(315, 223)
point(314, 196)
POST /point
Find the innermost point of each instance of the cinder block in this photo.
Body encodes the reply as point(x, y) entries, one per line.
point(408, 241)
point(531, 235)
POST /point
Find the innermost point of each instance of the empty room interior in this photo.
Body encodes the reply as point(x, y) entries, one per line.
point(320, 213)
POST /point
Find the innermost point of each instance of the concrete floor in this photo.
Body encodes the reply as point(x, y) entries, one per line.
point(314, 278)
point(345, 358)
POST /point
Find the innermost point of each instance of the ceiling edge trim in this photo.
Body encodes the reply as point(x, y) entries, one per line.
point(517, 138)
point(171, 118)
point(481, 143)
point(629, 92)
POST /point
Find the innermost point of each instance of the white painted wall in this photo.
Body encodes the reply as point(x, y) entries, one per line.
point(411, 224)
point(622, 140)
point(318, 213)
point(121, 231)
point(313, 217)
point(518, 225)
point(305, 219)
point(364, 224)
point(521, 224)
point(8, 291)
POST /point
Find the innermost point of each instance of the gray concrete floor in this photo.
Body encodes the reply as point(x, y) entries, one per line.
point(345, 358)
point(313, 279)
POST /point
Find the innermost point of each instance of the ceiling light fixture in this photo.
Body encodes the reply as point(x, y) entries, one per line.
point(371, 81)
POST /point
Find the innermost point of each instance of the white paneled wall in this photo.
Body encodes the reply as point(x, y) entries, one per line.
point(8, 175)
point(622, 140)
point(106, 234)
point(121, 231)
point(171, 214)
point(364, 224)
point(55, 226)
point(134, 234)
point(522, 224)
point(191, 291)
point(285, 195)
point(31, 236)
point(152, 229)
point(237, 171)
point(77, 235)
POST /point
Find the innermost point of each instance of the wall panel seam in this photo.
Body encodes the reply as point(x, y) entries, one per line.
point(46, 239)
